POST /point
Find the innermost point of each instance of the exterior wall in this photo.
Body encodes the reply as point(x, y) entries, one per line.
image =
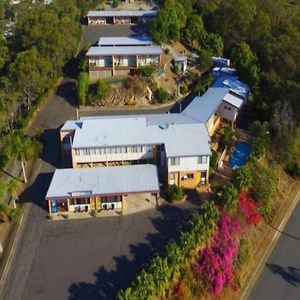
point(96, 20)
point(188, 164)
point(100, 74)
point(212, 124)
point(101, 61)
point(148, 60)
point(94, 156)
point(227, 111)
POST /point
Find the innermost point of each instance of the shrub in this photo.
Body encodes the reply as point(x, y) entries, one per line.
point(103, 89)
point(228, 197)
point(249, 210)
point(215, 266)
point(175, 193)
point(242, 178)
point(162, 95)
point(15, 214)
point(116, 3)
point(146, 71)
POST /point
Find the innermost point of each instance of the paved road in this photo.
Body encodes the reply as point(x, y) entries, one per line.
point(59, 108)
point(280, 278)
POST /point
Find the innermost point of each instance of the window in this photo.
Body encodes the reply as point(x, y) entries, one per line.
point(98, 151)
point(134, 149)
point(124, 150)
point(202, 159)
point(102, 150)
point(77, 152)
point(175, 161)
point(107, 150)
point(139, 149)
point(190, 176)
point(113, 150)
point(93, 151)
point(85, 151)
point(172, 176)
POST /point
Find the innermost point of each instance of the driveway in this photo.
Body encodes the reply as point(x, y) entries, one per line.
point(92, 33)
point(280, 278)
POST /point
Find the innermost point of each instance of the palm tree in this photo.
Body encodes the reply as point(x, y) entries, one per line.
point(25, 148)
point(13, 189)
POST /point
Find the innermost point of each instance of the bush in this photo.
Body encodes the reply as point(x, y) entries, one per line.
point(116, 3)
point(293, 169)
point(162, 95)
point(175, 193)
point(242, 178)
point(228, 197)
point(146, 71)
point(15, 214)
point(103, 89)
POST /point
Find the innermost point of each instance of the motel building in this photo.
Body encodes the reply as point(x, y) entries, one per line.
point(115, 157)
point(120, 56)
point(176, 144)
point(95, 189)
point(120, 17)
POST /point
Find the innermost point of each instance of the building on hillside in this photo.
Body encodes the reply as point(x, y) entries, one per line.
point(120, 17)
point(115, 57)
point(221, 62)
point(93, 189)
point(133, 41)
point(181, 63)
point(176, 144)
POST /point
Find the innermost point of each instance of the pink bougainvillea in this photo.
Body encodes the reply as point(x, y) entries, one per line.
point(216, 263)
point(248, 208)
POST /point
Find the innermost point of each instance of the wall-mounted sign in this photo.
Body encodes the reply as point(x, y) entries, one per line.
point(81, 193)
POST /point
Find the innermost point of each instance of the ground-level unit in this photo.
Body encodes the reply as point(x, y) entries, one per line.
point(120, 17)
point(95, 189)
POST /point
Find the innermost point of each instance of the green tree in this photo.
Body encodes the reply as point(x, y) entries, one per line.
point(214, 43)
point(82, 88)
point(194, 30)
point(116, 3)
point(246, 63)
point(205, 60)
point(25, 148)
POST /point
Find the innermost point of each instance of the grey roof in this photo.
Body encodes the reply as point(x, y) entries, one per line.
point(201, 108)
point(180, 139)
point(131, 40)
point(122, 13)
point(124, 50)
point(103, 181)
point(180, 58)
point(237, 86)
point(233, 100)
point(220, 61)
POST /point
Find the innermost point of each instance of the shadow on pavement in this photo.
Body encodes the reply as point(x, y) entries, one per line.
point(36, 192)
point(283, 232)
point(289, 274)
point(67, 91)
point(108, 282)
point(51, 147)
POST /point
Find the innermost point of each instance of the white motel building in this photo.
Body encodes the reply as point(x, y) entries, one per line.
point(115, 156)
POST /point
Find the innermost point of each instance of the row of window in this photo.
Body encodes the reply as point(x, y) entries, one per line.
point(175, 161)
point(113, 150)
point(227, 107)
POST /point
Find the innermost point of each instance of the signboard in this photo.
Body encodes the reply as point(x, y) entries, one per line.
point(81, 193)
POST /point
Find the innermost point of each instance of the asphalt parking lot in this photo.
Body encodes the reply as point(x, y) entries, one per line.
point(94, 258)
point(92, 33)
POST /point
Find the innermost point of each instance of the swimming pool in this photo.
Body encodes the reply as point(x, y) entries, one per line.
point(240, 154)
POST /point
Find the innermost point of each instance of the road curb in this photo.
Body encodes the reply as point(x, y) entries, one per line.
point(12, 251)
point(258, 270)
